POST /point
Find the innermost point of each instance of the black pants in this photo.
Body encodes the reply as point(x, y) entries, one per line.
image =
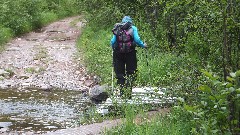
point(125, 67)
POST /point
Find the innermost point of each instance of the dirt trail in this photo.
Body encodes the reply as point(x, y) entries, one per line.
point(45, 59)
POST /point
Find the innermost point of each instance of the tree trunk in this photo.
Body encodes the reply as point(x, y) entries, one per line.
point(238, 50)
point(224, 47)
point(175, 30)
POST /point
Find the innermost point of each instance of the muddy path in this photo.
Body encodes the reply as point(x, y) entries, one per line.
point(45, 59)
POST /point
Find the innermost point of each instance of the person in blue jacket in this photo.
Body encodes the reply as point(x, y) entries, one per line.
point(125, 39)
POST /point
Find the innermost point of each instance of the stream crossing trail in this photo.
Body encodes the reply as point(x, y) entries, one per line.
point(48, 59)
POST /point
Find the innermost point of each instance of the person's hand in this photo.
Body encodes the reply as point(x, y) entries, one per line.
point(145, 45)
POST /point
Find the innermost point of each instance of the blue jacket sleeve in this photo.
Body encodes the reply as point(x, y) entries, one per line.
point(136, 37)
point(113, 40)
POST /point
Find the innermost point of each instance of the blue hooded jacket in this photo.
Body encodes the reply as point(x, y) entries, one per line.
point(136, 37)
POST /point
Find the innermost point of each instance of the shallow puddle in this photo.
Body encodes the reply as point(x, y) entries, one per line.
point(37, 111)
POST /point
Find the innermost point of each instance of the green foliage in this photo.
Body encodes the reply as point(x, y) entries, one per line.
point(176, 123)
point(206, 30)
point(183, 37)
point(89, 116)
point(153, 68)
point(160, 69)
point(21, 16)
point(47, 17)
point(5, 35)
point(218, 109)
point(97, 52)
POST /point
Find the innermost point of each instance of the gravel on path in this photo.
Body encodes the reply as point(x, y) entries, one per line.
point(45, 59)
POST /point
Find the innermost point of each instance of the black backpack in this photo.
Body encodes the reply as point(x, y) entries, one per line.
point(123, 32)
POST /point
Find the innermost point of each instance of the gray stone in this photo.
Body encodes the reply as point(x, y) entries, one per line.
point(98, 93)
point(23, 76)
point(3, 86)
point(6, 84)
point(46, 87)
point(25, 85)
point(3, 130)
point(88, 83)
point(5, 124)
point(4, 73)
point(13, 49)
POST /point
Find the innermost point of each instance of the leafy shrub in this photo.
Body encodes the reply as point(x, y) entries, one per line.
point(217, 112)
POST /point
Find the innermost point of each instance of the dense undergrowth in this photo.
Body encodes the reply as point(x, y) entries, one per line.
point(193, 52)
point(203, 98)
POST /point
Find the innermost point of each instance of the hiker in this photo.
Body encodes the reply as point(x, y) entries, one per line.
point(124, 40)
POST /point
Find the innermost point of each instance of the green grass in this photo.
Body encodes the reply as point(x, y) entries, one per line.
point(95, 46)
point(174, 123)
point(5, 35)
point(154, 68)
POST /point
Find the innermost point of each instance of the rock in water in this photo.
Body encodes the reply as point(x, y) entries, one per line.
point(98, 93)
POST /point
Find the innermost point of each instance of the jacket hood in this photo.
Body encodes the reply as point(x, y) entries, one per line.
point(127, 19)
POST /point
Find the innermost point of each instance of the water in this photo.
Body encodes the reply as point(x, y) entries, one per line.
point(37, 111)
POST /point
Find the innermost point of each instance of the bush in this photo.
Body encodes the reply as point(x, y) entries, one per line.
point(217, 110)
point(5, 35)
point(47, 17)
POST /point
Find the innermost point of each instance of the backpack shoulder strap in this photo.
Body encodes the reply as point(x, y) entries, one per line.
point(130, 31)
point(116, 28)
